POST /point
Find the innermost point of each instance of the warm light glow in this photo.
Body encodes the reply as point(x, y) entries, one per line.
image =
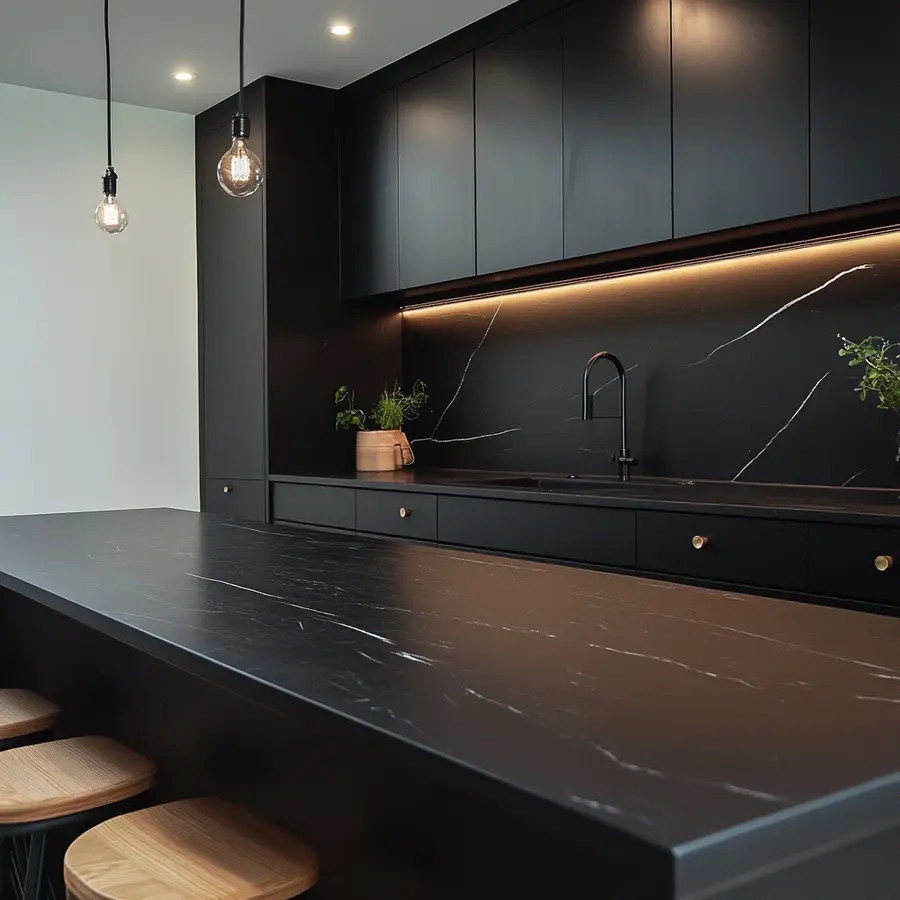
point(240, 166)
point(745, 265)
point(184, 76)
point(340, 29)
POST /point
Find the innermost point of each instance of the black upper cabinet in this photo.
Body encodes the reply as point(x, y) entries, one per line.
point(232, 294)
point(618, 120)
point(370, 260)
point(740, 112)
point(436, 128)
point(518, 141)
point(855, 133)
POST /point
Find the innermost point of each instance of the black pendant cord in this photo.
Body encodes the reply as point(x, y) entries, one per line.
point(241, 88)
point(108, 86)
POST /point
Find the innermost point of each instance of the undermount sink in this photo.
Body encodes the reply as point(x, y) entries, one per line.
point(570, 485)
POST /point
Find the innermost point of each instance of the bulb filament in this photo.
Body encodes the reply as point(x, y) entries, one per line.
point(240, 165)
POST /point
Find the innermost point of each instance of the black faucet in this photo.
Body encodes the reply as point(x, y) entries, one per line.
point(624, 457)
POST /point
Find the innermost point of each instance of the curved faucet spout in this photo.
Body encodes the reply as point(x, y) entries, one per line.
point(624, 458)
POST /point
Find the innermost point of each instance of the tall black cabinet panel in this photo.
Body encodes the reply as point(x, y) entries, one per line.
point(437, 175)
point(370, 262)
point(232, 292)
point(618, 120)
point(855, 133)
point(740, 112)
point(518, 148)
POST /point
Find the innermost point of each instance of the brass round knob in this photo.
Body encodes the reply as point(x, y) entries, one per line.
point(699, 541)
point(405, 513)
point(228, 489)
point(883, 563)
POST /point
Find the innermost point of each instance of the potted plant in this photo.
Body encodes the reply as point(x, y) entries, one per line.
point(882, 371)
point(384, 447)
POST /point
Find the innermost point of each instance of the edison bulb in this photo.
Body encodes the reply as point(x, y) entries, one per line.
point(240, 172)
point(110, 215)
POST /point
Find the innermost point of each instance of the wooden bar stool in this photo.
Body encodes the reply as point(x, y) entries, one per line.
point(203, 849)
point(49, 787)
point(24, 717)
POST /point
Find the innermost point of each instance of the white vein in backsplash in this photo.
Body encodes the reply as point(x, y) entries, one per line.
point(462, 380)
point(612, 380)
point(459, 440)
point(853, 478)
point(783, 427)
point(786, 306)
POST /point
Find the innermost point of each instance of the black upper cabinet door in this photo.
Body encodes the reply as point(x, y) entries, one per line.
point(855, 133)
point(370, 261)
point(618, 125)
point(518, 148)
point(232, 302)
point(740, 112)
point(437, 175)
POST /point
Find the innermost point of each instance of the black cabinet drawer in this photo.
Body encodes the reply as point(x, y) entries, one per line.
point(577, 533)
point(241, 499)
point(722, 548)
point(406, 514)
point(314, 504)
point(845, 561)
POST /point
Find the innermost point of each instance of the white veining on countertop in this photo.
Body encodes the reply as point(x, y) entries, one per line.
point(499, 703)
point(887, 677)
point(880, 699)
point(783, 427)
point(412, 657)
point(380, 662)
point(370, 634)
point(680, 665)
point(786, 306)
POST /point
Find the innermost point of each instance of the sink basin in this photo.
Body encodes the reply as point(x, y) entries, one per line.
point(572, 485)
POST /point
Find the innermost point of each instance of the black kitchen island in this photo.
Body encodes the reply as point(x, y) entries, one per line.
point(674, 741)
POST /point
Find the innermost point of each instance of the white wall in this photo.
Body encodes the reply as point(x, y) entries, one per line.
point(98, 334)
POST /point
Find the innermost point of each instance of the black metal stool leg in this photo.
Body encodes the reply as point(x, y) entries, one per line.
point(34, 875)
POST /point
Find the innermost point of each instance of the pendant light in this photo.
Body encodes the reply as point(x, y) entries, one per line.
point(240, 172)
point(110, 215)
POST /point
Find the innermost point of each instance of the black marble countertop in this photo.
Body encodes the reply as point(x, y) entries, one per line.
point(729, 731)
point(799, 502)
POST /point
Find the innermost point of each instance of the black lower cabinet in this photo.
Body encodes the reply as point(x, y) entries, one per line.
point(397, 514)
point(754, 552)
point(586, 534)
point(314, 504)
point(855, 562)
point(236, 498)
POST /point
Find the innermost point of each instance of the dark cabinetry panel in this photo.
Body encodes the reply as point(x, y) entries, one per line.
point(740, 112)
point(721, 548)
point(518, 140)
point(842, 562)
point(618, 118)
point(578, 533)
point(855, 137)
point(232, 265)
point(370, 261)
point(237, 499)
point(437, 175)
point(401, 514)
point(314, 504)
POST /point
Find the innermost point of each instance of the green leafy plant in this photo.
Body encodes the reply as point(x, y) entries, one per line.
point(881, 376)
point(390, 411)
point(348, 417)
point(393, 407)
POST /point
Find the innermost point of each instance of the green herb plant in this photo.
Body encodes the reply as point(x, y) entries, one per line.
point(389, 413)
point(348, 416)
point(881, 376)
point(393, 407)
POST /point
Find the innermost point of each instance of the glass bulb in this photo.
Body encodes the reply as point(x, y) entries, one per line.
point(240, 172)
point(110, 215)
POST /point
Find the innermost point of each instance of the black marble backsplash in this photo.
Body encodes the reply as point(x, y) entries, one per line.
point(733, 371)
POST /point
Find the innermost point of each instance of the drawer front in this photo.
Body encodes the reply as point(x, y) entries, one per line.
point(314, 504)
point(842, 562)
point(576, 533)
point(403, 514)
point(741, 551)
point(239, 499)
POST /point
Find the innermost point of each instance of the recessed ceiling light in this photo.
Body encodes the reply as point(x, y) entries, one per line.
point(340, 29)
point(184, 76)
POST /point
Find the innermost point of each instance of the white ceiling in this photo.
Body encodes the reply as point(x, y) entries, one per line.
point(58, 44)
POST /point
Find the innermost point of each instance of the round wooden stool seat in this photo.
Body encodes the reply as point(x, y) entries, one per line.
point(61, 778)
point(204, 849)
point(22, 712)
